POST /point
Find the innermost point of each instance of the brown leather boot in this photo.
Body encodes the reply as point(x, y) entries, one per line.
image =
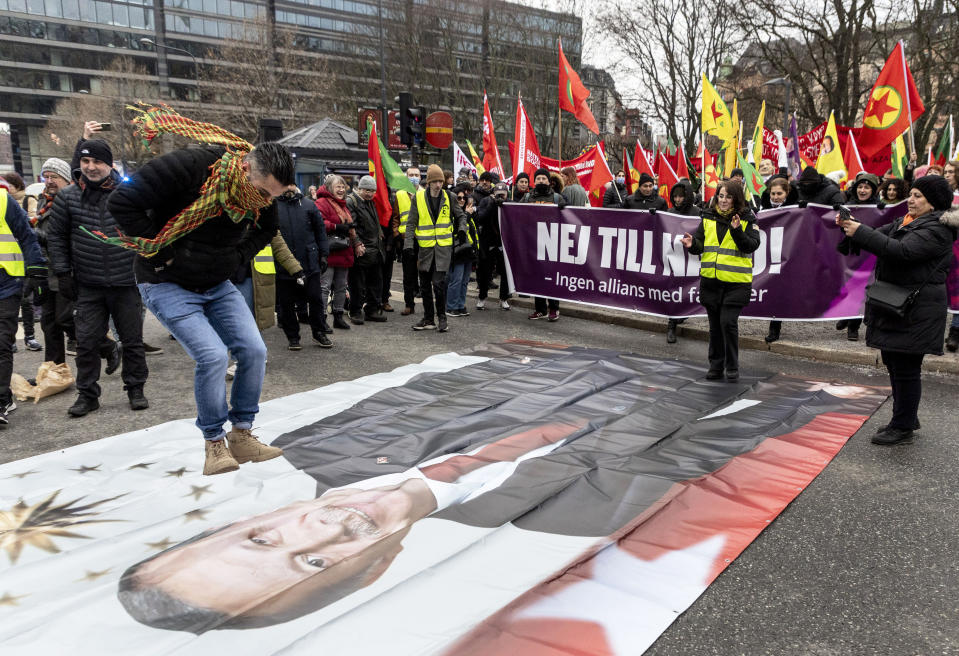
point(245, 447)
point(218, 458)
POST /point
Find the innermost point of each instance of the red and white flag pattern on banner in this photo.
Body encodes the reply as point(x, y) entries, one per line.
point(461, 161)
point(491, 158)
point(585, 165)
point(526, 157)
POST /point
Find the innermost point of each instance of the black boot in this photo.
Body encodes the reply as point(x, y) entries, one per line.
point(325, 327)
point(83, 406)
point(338, 321)
point(113, 358)
point(671, 332)
point(775, 327)
point(952, 342)
point(841, 324)
point(137, 400)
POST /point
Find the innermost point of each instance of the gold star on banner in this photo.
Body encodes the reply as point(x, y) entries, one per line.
point(178, 472)
point(162, 545)
point(197, 491)
point(10, 600)
point(83, 469)
point(36, 524)
point(199, 515)
point(141, 465)
point(24, 474)
point(92, 575)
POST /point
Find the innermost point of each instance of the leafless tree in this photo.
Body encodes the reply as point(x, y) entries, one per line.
point(668, 45)
point(123, 83)
point(263, 72)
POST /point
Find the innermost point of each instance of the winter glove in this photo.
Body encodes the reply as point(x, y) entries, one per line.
point(802, 204)
point(652, 211)
point(300, 279)
point(461, 235)
point(323, 264)
point(67, 286)
point(342, 229)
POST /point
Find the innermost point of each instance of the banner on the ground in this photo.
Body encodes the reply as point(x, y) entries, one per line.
point(634, 260)
point(488, 503)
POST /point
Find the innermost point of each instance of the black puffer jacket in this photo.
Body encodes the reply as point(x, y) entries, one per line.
point(823, 192)
point(613, 199)
point(303, 231)
point(638, 201)
point(208, 255)
point(71, 249)
point(908, 256)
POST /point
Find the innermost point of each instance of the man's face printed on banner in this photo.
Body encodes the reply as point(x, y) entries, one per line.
point(282, 564)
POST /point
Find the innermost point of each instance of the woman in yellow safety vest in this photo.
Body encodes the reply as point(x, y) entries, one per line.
point(725, 240)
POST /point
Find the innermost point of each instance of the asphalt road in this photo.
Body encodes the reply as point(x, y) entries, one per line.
point(863, 562)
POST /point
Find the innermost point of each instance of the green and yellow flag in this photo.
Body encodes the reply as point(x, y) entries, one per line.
point(477, 162)
point(753, 183)
point(732, 146)
point(900, 158)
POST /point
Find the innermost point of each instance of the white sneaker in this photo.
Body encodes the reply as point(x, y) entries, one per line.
point(481, 305)
point(231, 371)
point(503, 305)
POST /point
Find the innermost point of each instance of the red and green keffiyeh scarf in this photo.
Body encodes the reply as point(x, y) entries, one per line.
point(226, 191)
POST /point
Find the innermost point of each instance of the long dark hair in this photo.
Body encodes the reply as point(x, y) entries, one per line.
point(901, 190)
point(734, 189)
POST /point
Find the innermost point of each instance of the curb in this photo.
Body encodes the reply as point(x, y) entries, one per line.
point(782, 347)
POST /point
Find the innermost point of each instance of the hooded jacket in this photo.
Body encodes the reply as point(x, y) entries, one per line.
point(688, 207)
point(303, 231)
point(821, 191)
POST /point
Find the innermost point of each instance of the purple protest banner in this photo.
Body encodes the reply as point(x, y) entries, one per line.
point(634, 260)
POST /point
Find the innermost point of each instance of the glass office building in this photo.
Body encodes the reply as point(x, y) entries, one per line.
point(54, 49)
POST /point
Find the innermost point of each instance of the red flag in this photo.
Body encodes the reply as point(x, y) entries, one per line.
point(573, 95)
point(710, 177)
point(667, 178)
point(601, 177)
point(629, 172)
point(382, 197)
point(642, 161)
point(682, 169)
point(491, 159)
point(931, 159)
point(893, 105)
point(852, 161)
point(527, 150)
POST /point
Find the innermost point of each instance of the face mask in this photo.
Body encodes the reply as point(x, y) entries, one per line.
point(415, 181)
point(542, 189)
point(620, 180)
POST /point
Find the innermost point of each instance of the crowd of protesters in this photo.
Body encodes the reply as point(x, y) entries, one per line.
point(330, 262)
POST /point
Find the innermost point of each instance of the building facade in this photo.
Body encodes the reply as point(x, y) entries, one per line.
point(444, 52)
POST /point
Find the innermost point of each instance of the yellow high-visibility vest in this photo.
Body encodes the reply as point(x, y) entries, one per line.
point(724, 261)
point(11, 257)
point(263, 261)
point(404, 202)
point(429, 234)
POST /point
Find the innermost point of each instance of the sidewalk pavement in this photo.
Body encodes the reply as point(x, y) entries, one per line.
point(813, 340)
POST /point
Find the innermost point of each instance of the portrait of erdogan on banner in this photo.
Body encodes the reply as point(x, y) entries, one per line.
point(578, 444)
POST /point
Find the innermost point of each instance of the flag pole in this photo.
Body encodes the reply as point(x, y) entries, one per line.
point(912, 137)
point(560, 158)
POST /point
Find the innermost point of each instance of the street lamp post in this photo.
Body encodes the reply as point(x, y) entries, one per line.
point(196, 69)
point(786, 82)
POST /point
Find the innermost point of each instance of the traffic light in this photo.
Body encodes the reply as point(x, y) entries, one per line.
point(405, 100)
point(418, 125)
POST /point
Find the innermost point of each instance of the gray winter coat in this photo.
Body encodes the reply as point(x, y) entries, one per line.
point(908, 256)
point(442, 256)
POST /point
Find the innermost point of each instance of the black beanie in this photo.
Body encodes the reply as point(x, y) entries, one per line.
point(541, 172)
point(809, 175)
point(645, 177)
point(936, 190)
point(522, 174)
point(97, 149)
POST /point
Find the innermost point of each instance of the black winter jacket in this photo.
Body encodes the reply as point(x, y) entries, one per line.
point(71, 249)
point(613, 199)
point(303, 231)
point(826, 192)
point(688, 207)
point(208, 255)
point(367, 224)
point(487, 222)
point(908, 256)
point(637, 201)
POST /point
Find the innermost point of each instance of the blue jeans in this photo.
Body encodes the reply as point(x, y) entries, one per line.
point(459, 278)
point(246, 290)
point(209, 326)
